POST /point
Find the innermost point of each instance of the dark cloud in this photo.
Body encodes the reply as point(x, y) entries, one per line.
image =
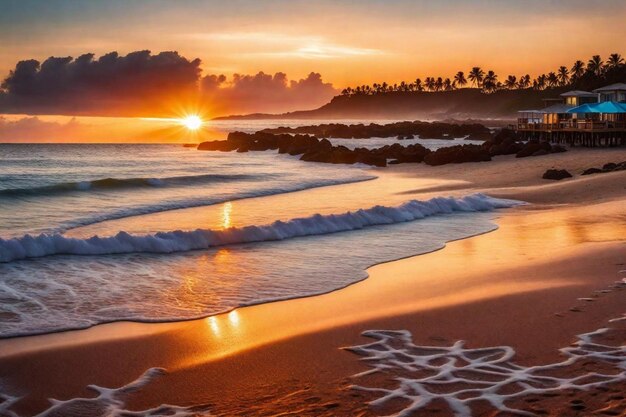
point(142, 84)
point(136, 83)
point(266, 93)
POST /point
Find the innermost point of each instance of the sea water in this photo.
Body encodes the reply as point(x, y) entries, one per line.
point(50, 281)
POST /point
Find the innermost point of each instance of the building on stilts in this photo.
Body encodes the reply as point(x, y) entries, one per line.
point(579, 118)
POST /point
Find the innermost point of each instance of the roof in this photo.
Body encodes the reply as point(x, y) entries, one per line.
point(557, 108)
point(612, 87)
point(604, 107)
point(578, 93)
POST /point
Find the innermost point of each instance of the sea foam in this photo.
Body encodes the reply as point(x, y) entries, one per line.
point(180, 241)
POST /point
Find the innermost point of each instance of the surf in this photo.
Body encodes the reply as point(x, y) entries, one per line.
point(28, 246)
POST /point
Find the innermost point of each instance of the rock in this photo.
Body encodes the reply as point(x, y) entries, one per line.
point(609, 167)
point(556, 174)
point(369, 159)
point(217, 145)
point(541, 152)
point(528, 149)
point(504, 134)
point(558, 149)
point(457, 154)
point(590, 171)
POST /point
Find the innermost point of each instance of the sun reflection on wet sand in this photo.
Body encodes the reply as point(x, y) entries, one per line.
point(494, 265)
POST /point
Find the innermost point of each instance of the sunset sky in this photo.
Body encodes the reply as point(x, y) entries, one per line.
point(345, 42)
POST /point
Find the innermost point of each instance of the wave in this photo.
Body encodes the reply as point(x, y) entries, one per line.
point(180, 241)
point(124, 183)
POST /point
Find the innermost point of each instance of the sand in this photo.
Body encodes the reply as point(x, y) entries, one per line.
point(524, 285)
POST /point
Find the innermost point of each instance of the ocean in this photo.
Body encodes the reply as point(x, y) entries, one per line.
point(53, 279)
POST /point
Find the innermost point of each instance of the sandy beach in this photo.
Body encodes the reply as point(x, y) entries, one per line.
point(553, 269)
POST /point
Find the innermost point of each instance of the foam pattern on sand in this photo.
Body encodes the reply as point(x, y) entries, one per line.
point(109, 402)
point(180, 241)
point(461, 376)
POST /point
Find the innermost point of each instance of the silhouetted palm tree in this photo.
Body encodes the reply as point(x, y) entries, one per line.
point(438, 84)
point(563, 75)
point(430, 83)
point(510, 82)
point(490, 82)
point(577, 71)
point(552, 79)
point(595, 65)
point(459, 79)
point(614, 61)
point(541, 81)
point(447, 85)
point(524, 81)
point(418, 84)
point(476, 76)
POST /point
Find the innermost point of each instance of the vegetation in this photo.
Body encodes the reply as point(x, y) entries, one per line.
point(594, 73)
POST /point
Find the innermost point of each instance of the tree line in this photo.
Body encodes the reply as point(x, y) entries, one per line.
point(592, 72)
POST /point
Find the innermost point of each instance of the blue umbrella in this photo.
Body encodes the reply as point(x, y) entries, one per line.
point(605, 107)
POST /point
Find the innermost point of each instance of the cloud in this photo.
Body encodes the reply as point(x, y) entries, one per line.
point(136, 83)
point(266, 93)
point(142, 84)
point(32, 129)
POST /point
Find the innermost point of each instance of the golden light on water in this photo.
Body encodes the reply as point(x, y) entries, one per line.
point(226, 211)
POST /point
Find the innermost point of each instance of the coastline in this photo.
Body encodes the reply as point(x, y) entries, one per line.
point(291, 348)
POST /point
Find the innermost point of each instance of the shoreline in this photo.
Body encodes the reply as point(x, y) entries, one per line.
point(479, 286)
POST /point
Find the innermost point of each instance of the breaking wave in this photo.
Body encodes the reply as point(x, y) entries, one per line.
point(180, 241)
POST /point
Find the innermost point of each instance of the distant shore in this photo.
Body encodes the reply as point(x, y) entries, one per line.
point(526, 285)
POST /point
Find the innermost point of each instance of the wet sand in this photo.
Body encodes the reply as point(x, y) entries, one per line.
point(518, 286)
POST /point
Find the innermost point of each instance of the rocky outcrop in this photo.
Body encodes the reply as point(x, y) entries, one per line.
point(401, 130)
point(313, 149)
point(536, 148)
point(556, 174)
point(458, 154)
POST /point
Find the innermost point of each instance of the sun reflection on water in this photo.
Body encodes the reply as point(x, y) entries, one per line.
point(226, 211)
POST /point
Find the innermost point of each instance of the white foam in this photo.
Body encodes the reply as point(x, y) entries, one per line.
point(109, 402)
point(482, 374)
point(179, 241)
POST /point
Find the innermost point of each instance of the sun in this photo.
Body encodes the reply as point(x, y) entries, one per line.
point(192, 122)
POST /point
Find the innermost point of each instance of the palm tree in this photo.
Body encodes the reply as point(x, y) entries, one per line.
point(476, 76)
point(552, 79)
point(541, 82)
point(447, 85)
point(430, 83)
point(510, 82)
point(490, 82)
point(563, 75)
point(459, 79)
point(418, 85)
point(438, 84)
point(384, 86)
point(577, 71)
point(614, 61)
point(595, 65)
point(524, 81)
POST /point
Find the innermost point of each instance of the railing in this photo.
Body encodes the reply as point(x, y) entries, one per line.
point(575, 124)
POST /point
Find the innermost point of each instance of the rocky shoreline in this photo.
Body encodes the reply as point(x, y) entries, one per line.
point(312, 144)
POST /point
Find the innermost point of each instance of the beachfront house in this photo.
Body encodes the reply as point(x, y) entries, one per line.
point(577, 117)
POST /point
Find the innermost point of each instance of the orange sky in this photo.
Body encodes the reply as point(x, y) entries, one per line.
point(348, 42)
